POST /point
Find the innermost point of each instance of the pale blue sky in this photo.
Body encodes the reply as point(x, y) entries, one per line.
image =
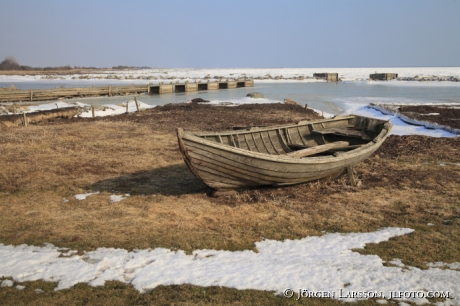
point(238, 33)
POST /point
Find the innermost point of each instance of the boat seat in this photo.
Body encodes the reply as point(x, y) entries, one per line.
point(318, 149)
point(344, 132)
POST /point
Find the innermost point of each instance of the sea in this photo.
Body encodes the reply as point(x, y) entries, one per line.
point(329, 97)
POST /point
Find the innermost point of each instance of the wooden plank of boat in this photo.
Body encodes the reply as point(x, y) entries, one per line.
point(344, 132)
point(232, 169)
point(318, 149)
point(352, 147)
point(295, 146)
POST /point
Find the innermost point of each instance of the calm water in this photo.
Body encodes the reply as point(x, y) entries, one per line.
point(329, 97)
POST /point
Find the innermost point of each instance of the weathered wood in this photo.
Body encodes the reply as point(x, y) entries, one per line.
point(16, 120)
point(300, 136)
point(295, 146)
point(282, 142)
point(256, 170)
point(288, 135)
point(352, 147)
point(263, 158)
point(344, 132)
point(137, 104)
point(255, 142)
point(301, 147)
point(54, 93)
point(318, 149)
point(330, 77)
point(247, 142)
point(26, 123)
point(263, 142)
point(352, 177)
point(383, 76)
point(273, 143)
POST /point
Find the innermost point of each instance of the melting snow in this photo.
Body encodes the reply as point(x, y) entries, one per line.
point(315, 263)
point(83, 196)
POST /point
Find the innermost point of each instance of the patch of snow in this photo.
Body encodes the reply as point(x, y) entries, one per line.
point(7, 283)
point(112, 109)
point(100, 111)
point(49, 106)
point(117, 198)
point(439, 264)
point(415, 124)
point(84, 195)
point(443, 164)
point(396, 262)
point(400, 127)
point(315, 263)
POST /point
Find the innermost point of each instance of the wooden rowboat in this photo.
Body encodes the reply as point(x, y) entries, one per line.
point(281, 155)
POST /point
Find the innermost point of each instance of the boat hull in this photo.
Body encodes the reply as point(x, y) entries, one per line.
point(229, 166)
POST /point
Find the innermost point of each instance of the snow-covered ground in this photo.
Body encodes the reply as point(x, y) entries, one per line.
point(263, 74)
point(99, 111)
point(322, 265)
point(400, 127)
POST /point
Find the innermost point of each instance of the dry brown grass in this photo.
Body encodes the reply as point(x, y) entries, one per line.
point(169, 207)
point(114, 293)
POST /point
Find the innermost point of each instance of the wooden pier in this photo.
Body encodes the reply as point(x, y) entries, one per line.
point(383, 76)
point(196, 86)
point(32, 95)
point(330, 77)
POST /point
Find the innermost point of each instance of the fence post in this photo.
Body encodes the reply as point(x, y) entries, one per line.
point(137, 104)
point(92, 110)
point(26, 124)
point(127, 102)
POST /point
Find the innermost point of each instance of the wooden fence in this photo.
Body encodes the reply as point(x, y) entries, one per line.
point(32, 95)
point(77, 92)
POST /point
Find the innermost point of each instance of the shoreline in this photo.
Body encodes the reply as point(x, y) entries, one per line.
point(432, 117)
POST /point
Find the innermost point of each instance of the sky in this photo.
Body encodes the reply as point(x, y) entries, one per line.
point(231, 34)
